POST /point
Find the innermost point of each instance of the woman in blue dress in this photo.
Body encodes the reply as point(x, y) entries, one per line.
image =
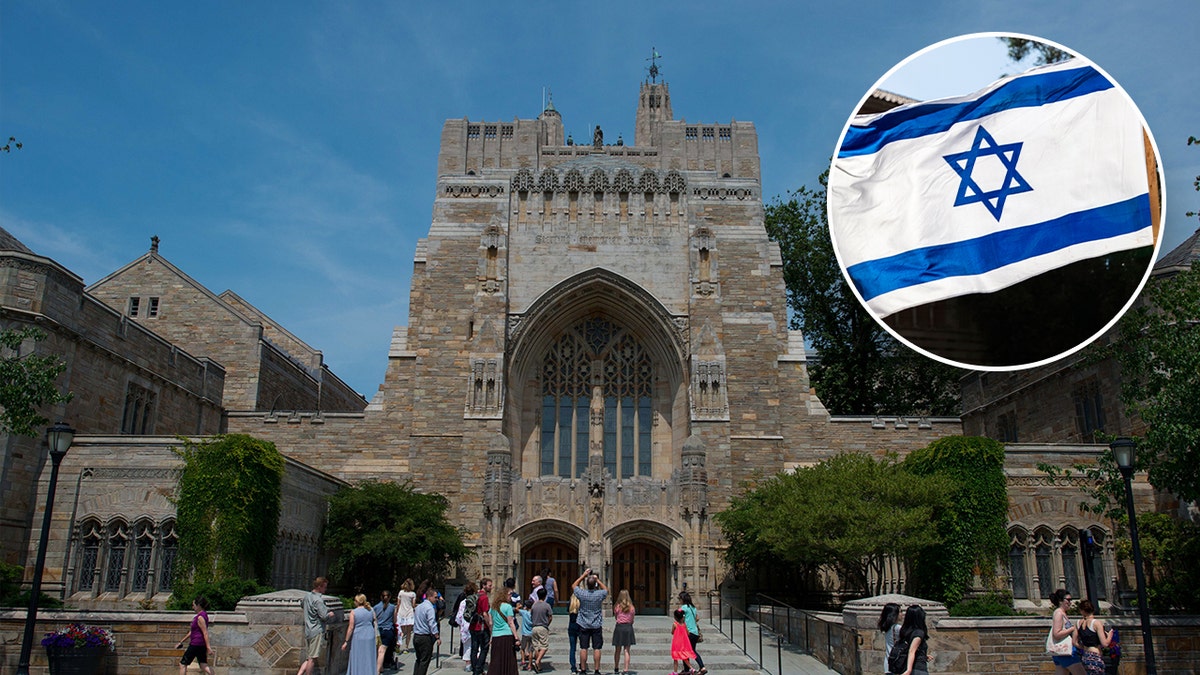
point(360, 638)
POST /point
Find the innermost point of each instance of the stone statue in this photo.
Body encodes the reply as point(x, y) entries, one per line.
point(598, 138)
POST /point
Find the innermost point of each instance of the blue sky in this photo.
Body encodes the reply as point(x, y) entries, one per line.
point(288, 151)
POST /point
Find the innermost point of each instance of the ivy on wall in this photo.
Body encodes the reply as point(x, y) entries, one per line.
point(973, 526)
point(227, 508)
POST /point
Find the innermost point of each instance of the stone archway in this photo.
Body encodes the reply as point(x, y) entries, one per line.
point(560, 557)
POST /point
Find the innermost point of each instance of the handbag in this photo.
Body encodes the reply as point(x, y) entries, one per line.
point(699, 637)
point(1061, 648)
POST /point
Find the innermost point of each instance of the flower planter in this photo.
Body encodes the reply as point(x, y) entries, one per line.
point(74, 660)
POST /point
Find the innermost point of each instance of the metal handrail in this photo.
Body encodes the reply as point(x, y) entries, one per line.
point(745, 642)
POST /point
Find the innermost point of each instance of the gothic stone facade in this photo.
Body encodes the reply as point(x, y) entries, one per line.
point(597, 354)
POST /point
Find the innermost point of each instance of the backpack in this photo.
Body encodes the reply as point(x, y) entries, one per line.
point(470, 612)
point(898, 660)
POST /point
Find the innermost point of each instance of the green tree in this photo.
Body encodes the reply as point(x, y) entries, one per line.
point(973, 527)
point(1170, 548)
point(1019, 48)
point(26, 383)
point(850, 512)
point(384, 532)
point(227, 509)
point(863, 369)
point(1158, 347)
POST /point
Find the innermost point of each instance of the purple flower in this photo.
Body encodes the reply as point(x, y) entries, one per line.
point(79, 636)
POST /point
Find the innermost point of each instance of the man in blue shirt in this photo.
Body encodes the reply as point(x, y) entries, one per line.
point(425, 630)
point(591, 593)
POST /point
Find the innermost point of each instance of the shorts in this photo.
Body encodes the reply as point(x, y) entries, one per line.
point(541, 638)
point(197, 652)
point(591, 638)
point(314, 646)
point(526, 642)
point(623, 635)
point(1065, 661)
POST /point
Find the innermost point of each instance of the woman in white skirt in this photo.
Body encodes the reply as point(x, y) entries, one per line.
point(404, 612)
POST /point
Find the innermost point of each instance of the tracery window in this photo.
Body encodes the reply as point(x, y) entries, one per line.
point(596, 371)
point(89, 555)
point(118, 543)
point(166, 561)
point(143, 554)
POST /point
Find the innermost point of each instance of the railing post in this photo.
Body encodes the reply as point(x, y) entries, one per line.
point(744, 650)
point(779, 653)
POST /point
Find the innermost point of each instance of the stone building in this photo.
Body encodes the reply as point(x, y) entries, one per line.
point(267, 367)
point(134, 392)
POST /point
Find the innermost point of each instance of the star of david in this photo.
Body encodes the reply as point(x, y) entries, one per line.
point(969, 191)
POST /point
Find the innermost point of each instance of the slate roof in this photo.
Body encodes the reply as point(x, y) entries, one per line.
point(10, 243)
point(1180, 258)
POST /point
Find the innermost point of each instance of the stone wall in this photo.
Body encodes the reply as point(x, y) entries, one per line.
point(119, 488)
point(107, 358)
point(264, 636)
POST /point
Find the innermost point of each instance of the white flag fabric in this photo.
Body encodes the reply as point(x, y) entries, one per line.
point(973, 194)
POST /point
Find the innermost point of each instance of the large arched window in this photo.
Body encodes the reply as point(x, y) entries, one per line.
point(596, 372)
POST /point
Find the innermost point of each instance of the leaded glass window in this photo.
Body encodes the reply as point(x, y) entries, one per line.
point(167, 560)
point(1045, 576)
point(118, 542)
point(142, 557)
point(596, 371)
point(89, 556)
point(1070, 562)
point(1016, 570)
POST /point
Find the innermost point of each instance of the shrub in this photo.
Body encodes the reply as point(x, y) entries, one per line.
point(223, 596)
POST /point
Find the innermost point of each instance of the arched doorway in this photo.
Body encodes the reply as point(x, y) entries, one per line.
point(642, 568)
point(561, 558)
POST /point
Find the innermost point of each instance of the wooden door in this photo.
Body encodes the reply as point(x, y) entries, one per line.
point(560, 557)
point(641, 568)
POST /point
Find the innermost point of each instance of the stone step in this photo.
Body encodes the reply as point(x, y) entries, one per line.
point(651, 654)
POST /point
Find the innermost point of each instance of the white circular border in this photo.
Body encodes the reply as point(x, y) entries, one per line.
point(1162, 198)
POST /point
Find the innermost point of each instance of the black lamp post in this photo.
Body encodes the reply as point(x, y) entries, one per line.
point(58, 437)
point(1123, 452)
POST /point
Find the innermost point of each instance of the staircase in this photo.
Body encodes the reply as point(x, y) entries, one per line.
point(651, 654)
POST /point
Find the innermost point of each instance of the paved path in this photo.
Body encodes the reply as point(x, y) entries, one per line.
point(652, 653)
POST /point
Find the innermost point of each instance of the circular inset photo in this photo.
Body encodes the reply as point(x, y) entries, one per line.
point(995, 211)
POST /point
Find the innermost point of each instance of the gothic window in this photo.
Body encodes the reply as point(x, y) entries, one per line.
point(724, 133)
point(1016, 570)
point(152, 310)
point(1045, 573)
point(138, 417)
point(118, 544)
point(1095, 562)
point(596, 371)
point(89, 555)
point(473, 131)
point(1006, 427)
point(166, 561)
point(506, 131)
point(134, 305)
point(142, 557)
point(1089, 408)
point(707, 133)
point(689, 133)
point(489, 131)
point(1070, 563)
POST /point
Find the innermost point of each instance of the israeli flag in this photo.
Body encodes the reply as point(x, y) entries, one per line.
point(973, 194)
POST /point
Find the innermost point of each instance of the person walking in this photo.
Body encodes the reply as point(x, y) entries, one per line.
point(1092, 636)
point(889, 625)
point(406, 600)
point(622, 638)
point(591, 593)
point(481, 627)
point(504, 630)
point(1063, 628)
point(360, 638)
point(912, 646)
point(197, 639)
point(385, 618)
point(690, 616)
point(315, 616)
point(542, 614)
point(681, 644)
point(463, 620)
point(573, 629)
point(425, 629)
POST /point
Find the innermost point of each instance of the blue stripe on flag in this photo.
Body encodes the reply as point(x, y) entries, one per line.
point(1029, 91)
point(993, 251)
